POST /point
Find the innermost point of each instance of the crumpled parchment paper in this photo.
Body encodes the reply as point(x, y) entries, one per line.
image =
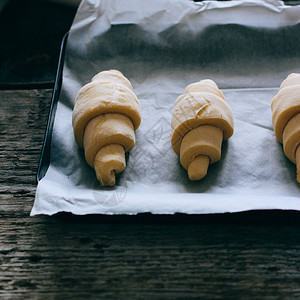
point(247, 47)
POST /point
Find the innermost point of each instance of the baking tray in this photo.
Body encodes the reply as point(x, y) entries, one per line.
point(45, 155)
point(258, 217)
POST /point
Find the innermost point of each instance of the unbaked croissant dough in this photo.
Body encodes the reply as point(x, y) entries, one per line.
point(105, 116)
point(286, 118)
point(201, 120)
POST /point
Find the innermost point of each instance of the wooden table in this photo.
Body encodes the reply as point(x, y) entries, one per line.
point(249, 255)
point(252, 255)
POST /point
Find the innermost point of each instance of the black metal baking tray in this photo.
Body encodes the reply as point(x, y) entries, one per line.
point(45, 162)
point(45, 154)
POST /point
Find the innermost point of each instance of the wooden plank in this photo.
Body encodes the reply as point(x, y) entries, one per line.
point(45, 256)
point(23, 119)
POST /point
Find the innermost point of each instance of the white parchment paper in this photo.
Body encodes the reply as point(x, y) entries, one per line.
point(246, 47)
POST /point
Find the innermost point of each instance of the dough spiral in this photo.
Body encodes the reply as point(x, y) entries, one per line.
point(201, 120)
point(105, 116)
point(286, 118)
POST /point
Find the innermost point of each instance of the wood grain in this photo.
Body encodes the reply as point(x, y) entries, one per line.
point(23, 120)
point(77, 258)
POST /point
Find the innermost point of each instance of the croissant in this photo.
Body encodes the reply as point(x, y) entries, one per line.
point(105, 116)
point(286, 118)
point(201, 120)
